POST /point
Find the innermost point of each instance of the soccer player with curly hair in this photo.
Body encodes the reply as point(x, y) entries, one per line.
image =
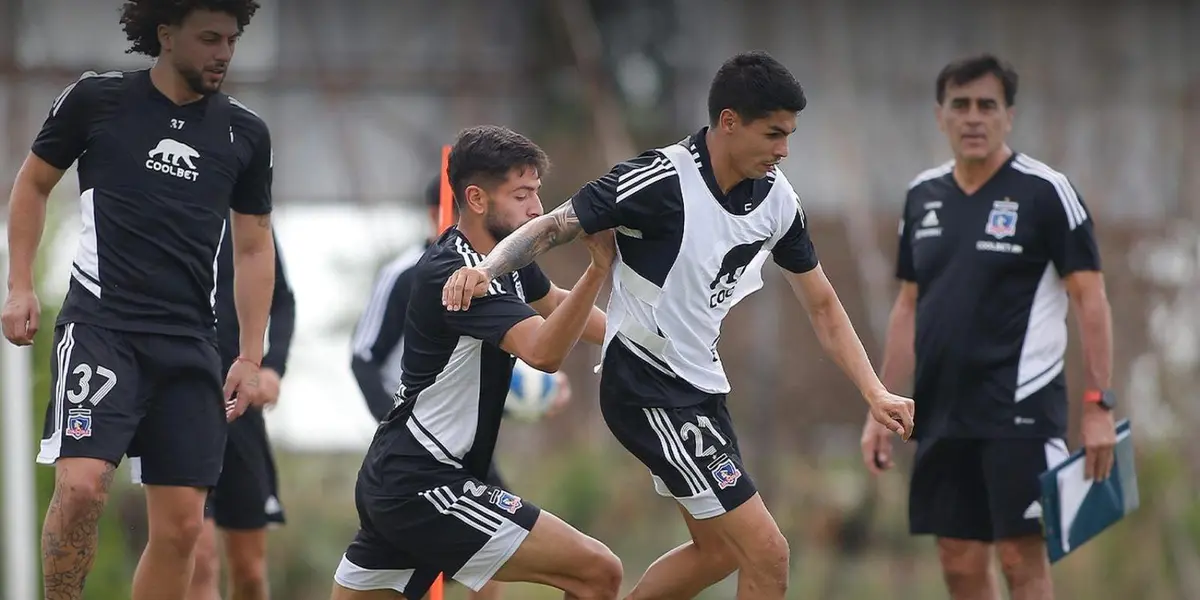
point(165, 161)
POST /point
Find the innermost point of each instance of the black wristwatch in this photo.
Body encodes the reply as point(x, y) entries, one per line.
point(1105, 398)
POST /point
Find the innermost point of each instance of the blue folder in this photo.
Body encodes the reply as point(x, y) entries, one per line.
point(1075, 509)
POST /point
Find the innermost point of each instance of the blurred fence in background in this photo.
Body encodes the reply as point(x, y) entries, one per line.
point(361, 94)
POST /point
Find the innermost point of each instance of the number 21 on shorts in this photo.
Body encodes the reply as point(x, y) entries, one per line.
point(691, 430)
point(722, 467)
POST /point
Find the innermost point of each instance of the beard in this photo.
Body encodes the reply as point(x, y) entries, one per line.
point(195, 80)
point(497, 229)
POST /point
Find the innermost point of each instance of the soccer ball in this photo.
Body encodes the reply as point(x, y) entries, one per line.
point(530, 393)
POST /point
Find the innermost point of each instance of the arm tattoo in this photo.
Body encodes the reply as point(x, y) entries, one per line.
point(533, 239)
point(264, 221)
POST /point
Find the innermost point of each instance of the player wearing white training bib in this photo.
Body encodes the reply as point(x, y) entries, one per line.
point(695, 221)
point(672, 319)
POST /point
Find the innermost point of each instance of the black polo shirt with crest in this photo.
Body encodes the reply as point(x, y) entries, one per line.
point(991, 330)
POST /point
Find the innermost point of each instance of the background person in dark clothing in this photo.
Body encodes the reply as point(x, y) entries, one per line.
point(246, 498)
point(994, 248)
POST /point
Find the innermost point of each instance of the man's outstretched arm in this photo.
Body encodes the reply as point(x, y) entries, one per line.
point(638, 194)
point(533, 239)
point(513, 252)
point(842, 344)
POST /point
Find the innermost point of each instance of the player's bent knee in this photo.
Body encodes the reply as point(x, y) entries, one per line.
point(770, 562)
point(603, 574)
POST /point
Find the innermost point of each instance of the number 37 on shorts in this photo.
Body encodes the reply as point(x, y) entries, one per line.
point(692, 453)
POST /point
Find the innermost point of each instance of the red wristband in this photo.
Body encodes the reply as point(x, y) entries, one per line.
point(1092, 396)
point(244, 359)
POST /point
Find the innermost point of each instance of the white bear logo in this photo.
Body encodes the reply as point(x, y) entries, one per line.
point(171, 151)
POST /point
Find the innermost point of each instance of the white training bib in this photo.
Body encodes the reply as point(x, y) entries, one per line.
point(676, 327)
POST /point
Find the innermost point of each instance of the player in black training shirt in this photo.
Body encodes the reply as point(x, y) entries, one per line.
point(246, 498)
point(423, 505)
point(695, 221)
point(378, 342)
point(163, 157)
point(994, 247)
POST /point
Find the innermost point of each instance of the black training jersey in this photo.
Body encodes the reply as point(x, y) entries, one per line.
point(991, 328)
point(280, 327)
point(688, 253)
point(157, 182)
point(378, 336)
point(455, 375)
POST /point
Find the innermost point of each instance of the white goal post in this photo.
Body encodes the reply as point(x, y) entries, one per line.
point(19, 497)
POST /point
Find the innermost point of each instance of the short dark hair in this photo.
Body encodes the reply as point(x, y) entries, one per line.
point(140, 18)
point(966, 70)
point(433, 191)
point(754, 85)
point(484, 156)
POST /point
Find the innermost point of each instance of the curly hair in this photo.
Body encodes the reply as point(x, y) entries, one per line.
point(140, 18)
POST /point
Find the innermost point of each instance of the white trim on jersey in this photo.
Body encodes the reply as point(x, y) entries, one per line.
point(1076, 215)
point(656, 164)
point(212, 296)
point(431, 445)
point(934, 173)
point(51, 447)
point(473, 259)
point(371, 322)
point(86, 268)
point(634, 181)
point(238, 103)
point(1045, 342)
point(62, 96)
point(440, 407)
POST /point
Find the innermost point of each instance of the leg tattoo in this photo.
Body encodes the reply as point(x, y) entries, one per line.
point(69, 535)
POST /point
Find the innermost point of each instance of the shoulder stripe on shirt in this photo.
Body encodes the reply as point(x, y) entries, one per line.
point(238, 103)
point(627, 180)
point(659, 172)
point(1076, 215)
point(371, 322)
point(658, 160)
point(473, 259)
point(67, 91)
point(928, 174)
